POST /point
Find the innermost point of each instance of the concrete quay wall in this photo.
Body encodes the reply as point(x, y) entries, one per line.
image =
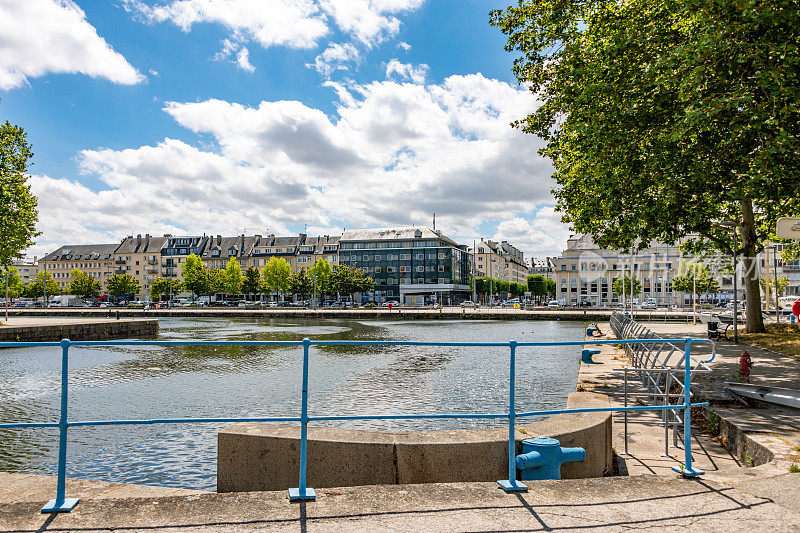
point(91, 330)
point(258, 456)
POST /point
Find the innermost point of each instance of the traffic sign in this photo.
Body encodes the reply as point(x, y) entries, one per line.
point(789, 228)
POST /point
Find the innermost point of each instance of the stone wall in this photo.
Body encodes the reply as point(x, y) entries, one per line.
point(92, 330)
point(257, 456)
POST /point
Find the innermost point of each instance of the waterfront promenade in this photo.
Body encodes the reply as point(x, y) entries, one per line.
point(54, 327)
point(610, 504)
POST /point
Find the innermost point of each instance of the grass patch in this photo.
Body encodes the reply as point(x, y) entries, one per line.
point(782, 338)
point(794, 469)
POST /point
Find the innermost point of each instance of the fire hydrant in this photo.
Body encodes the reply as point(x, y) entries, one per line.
point(586, 356)
point(745, 364)
point(542, 458)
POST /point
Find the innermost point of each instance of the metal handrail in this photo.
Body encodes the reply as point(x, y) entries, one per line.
point(304, 493)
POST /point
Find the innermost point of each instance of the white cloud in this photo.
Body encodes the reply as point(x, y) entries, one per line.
point(335, 57)
point(404, 45)
point(236, 53)
point(43, 36)
point(407, 71)
point(541, 235)
point(393, 154)
point(291, 23)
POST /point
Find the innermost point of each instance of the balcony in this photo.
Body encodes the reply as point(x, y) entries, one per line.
point(119, 271)
point(120, 261)
point(152, 261)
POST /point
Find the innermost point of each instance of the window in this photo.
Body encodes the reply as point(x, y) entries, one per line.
point(420, 268)
point(441, 268)
point(441, 255)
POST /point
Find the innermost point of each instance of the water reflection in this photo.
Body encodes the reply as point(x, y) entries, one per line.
point(198, 381)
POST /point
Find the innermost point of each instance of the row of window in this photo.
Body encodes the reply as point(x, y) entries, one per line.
point(79, 265)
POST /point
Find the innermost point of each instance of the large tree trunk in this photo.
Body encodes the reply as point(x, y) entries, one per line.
point(754, 318)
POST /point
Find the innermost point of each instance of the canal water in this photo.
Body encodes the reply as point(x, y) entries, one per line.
point(127, 382)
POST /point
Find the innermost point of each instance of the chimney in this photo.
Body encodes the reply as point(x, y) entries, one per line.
point(138, 240)
point(241, 245)
point(219, 239)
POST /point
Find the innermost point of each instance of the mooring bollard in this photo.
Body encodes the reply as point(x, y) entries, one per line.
point(586, 356)
point(542, 458)
point(590, 331)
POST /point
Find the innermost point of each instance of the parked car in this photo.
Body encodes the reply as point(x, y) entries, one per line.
point(469, 303)
point(650, 303)
point(553, 303)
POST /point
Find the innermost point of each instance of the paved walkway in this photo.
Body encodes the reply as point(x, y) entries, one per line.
point(38, 321)
point(611, 504)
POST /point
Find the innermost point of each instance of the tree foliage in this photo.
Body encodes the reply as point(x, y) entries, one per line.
point(12, 278)
point(18, 213)
point(233, 277)
point(161, 286)
point(36, 288)
point(622, 286)
point(251, 281)
point(196, 278)
point(348, 280)
point(537, 286)
point(276, 275)
point(301, 283)
point(695, 278)
point(122, 285)
point(83, 285)
point(666, 119)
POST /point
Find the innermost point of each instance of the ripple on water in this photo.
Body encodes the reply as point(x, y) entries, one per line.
point(139, 382)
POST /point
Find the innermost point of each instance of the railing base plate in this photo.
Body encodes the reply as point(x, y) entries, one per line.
point(688, 472)
point(295, 496)
point(67, 506)
point(507, 486)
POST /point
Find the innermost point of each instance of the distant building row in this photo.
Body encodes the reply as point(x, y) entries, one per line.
point(585, 272)
point(408, 263)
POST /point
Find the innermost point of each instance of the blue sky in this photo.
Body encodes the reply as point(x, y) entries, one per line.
point(272, 116)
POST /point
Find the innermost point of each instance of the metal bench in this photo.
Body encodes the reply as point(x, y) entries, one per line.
point(718, 326)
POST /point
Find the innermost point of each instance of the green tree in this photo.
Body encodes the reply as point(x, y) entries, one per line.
point(83, 285)
point(783, 282)
point(551, 287)
point(35, 288)
point(196, 278)
point(666, 119)
point(348, 280)
point(323, 271)
point(15, 286)
point(695, 276)
point(537, 286)
point(622, 286)
point(276, 274)
point(161, 286)
point(301, 283)
point(18, 214)
point(233, 277)
point(251, 283)
point(122, 285)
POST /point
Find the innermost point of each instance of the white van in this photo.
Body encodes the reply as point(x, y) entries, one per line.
point(65, 300)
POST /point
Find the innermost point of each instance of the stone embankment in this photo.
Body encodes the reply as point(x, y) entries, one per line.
point(19, 329)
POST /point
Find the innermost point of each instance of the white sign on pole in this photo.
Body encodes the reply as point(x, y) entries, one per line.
point(788, 228)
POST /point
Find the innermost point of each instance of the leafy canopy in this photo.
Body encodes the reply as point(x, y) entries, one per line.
point(18, 213)
point(122, 285)
point(83, 285)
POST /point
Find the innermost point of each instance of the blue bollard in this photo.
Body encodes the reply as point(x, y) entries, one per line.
point(792, 318)
point(586, 356)
point(542, 458)
point(590, 331)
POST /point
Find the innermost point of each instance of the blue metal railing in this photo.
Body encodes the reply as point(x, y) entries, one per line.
point(304, 493)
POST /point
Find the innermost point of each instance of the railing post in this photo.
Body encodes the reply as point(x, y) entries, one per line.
point(62, 504)
point(303, 493)
point(687, 469)
point(511, 484)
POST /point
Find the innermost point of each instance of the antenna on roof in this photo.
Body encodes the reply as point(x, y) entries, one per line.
point(434, 222)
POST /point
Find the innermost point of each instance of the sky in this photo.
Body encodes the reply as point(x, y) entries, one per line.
point(272, 116)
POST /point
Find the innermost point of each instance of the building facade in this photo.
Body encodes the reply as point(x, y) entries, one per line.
point(175, 250)
point(412, 265)
point(500, 260)
point(27, 270)
point(140, 257)
point(221, 249)
point(96, 260)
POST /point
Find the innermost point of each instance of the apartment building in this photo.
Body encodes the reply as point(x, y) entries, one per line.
point(265, 248)
point(221, 249)
point(413, 265)
point(140, 256)
point(500, 260)
point(27, 270)
point(545, 267)
point(314, 248)
point(175, 250)
point(586, 273)
point(96, 260)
